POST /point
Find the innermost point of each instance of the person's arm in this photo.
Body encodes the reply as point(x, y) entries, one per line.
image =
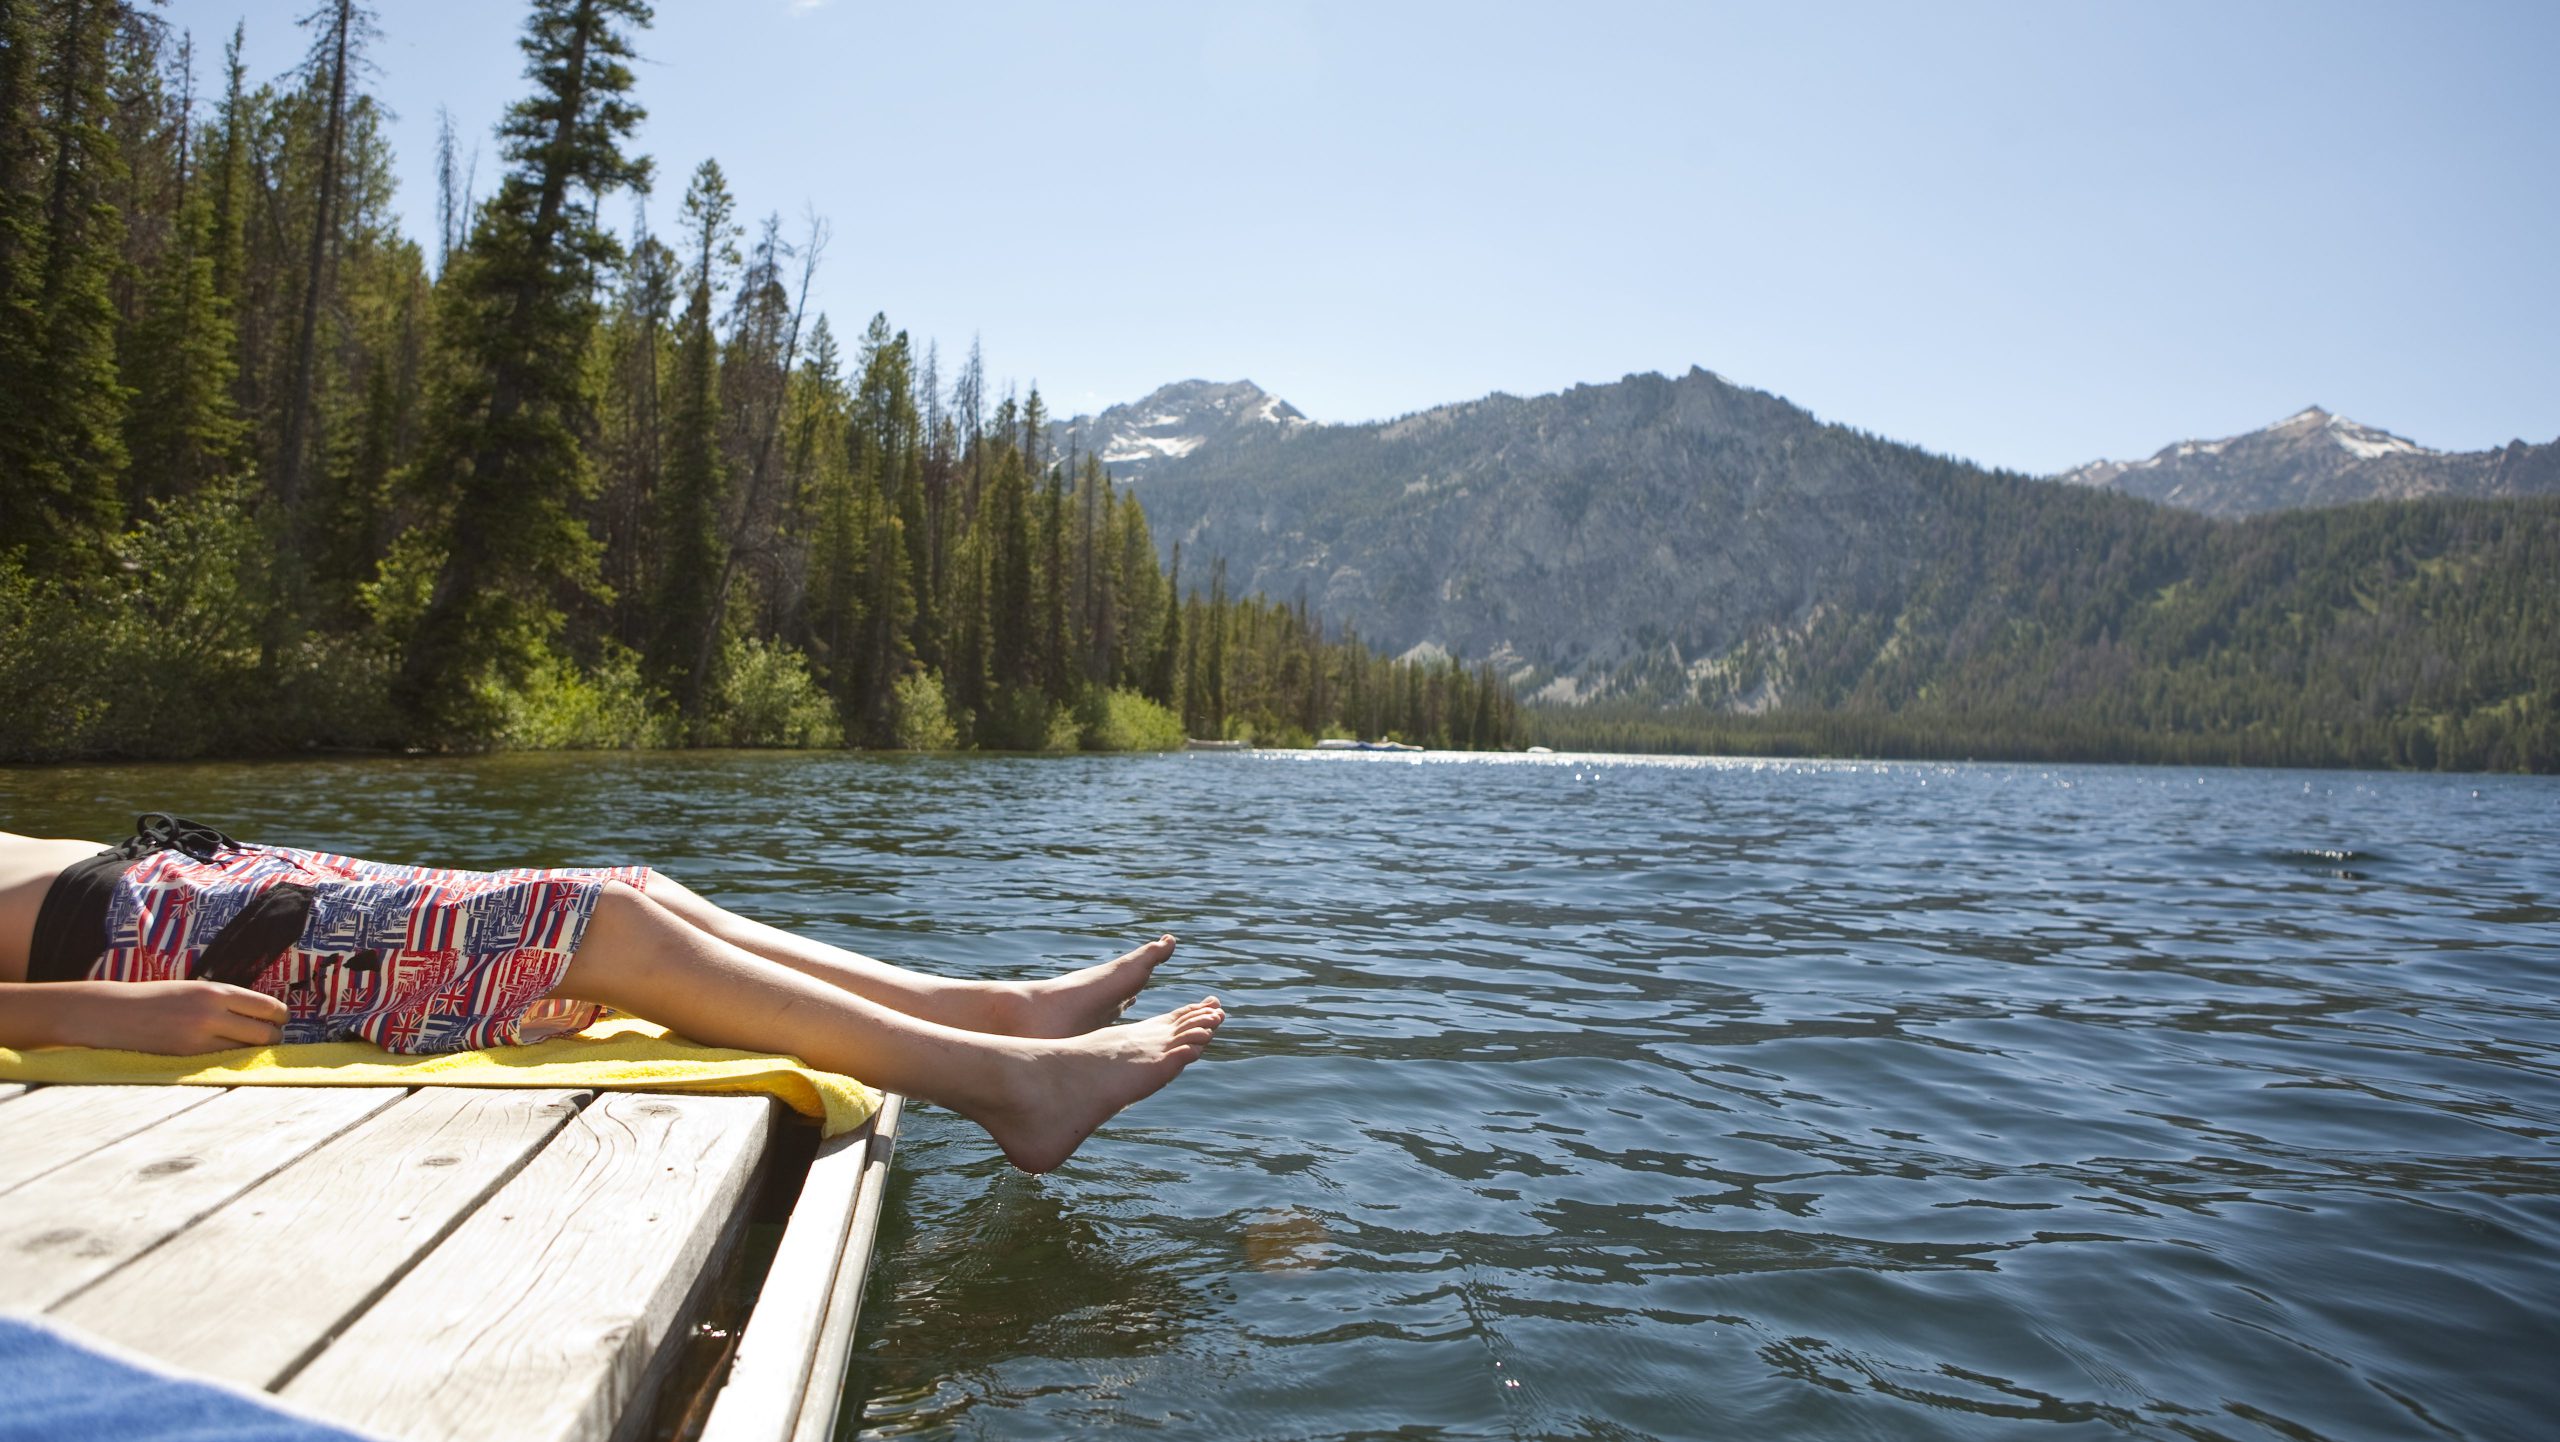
point(174, 1018)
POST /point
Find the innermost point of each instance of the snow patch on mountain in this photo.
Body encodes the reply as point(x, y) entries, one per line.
point(1175, 421)
point(1128, 450)
point(2369, 443)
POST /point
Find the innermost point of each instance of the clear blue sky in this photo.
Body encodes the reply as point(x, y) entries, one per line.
point(2031, 234)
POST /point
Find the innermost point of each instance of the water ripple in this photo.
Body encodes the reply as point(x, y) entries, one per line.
point(1610, 1098)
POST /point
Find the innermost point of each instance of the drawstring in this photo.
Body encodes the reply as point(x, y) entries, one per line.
point(158, 831)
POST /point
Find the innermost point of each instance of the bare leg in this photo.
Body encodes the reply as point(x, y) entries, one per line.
point(1068, 1005)
point(1039, 1097)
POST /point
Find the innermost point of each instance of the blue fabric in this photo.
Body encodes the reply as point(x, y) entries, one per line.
point(53, 1389)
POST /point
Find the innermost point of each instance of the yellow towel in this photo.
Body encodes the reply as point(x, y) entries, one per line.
point(620, 1054)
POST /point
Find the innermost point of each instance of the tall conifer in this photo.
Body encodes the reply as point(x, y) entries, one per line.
point(184, 429)
point(506, 459)
point(690, 548)
point(339, 46)
point(1165, 677)
point(61, 427)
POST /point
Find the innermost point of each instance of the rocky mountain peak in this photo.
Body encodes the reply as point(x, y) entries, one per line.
point(2314, 457)
point(1173, 421)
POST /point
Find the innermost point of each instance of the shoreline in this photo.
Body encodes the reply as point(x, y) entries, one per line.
point(1555, 754)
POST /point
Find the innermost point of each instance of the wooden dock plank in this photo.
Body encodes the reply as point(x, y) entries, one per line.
point(817, 1419)
point(767, 1381)
point(81, 1221)
point(539, 1317)
point(60, 1124)
point(306, 1250)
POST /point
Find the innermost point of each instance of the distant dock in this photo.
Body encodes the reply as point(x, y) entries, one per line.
point(448, 1264)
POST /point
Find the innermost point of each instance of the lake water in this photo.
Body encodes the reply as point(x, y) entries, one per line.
point(1615, 1098)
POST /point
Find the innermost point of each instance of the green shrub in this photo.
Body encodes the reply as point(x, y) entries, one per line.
point(557, 707)
point(48, 648)
point(766, 697)
point(1127, 721)
point(1017, 719)
point(924, 717)
point(161, 656)
point(1062, 733)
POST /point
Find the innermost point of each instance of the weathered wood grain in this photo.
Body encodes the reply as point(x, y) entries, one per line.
point(66, 1229)
point(259, 1285)
point(817, 1419)
point(59, 1124)
point(540, 1315)
point(761, 1397)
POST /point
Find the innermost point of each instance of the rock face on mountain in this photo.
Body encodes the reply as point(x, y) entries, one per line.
point(1135, 440)
point(2314, 458)
point(1560, 534)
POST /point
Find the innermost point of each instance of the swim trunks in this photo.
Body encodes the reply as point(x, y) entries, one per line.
point(412, 958)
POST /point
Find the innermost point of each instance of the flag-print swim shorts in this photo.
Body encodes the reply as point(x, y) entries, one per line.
point(412, 958)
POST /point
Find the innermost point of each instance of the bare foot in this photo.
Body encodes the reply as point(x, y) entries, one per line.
point(1079, 1001)
point(1059, 1090)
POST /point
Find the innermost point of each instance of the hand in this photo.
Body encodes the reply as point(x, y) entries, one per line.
point(174, 1018)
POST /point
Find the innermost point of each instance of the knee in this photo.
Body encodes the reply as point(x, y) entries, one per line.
point(621, 911)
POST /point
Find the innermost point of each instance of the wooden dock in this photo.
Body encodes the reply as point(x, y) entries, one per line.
point(445, 1264)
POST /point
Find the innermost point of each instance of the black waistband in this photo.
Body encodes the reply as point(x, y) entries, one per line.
point(71, 923)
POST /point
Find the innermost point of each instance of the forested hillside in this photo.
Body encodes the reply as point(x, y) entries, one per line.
point(273, 476)
point(1686, 562)
point(2410, 634)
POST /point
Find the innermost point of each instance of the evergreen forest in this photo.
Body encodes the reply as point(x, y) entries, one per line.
point(276, 477)
point(2060, 624)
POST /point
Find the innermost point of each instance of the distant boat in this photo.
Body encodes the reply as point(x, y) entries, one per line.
point(1541, 751)
point(1196, 744)
point(1340, 743)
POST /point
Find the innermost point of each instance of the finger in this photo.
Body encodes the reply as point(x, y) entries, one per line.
point(256, 1004)
point(238, 1030)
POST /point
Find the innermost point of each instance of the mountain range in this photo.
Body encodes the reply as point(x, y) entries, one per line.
point(2314, 458)
point(1687, 540)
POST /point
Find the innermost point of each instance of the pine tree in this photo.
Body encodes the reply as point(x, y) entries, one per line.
point(1165, 682)
point(968, 404)
point(1035, 433)
point(21, 43)
point(505, 457)
point(1013, 660)
point(631, 454)
point(691, 551)
point(965, 671)
point(452, 218)
point(888, 614)
point(1097, 573)
point(1058, 669)
point(61, 431)
point(227, 180)
point(344, 28)
point(763, 351)
point(1213, 685)
point(825, 617)
point(183, 430)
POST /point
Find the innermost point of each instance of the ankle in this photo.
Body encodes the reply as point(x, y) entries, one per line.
point(1006, 1008)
